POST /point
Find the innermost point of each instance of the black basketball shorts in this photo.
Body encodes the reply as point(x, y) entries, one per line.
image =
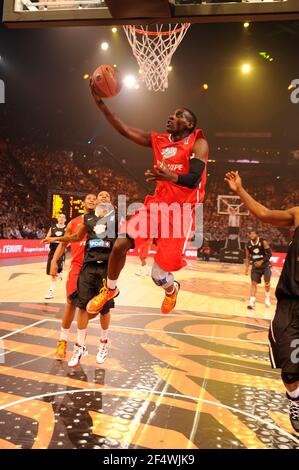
point(89, 284)
point(284, 336)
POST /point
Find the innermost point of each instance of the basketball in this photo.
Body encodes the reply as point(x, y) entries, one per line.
point(107, 81)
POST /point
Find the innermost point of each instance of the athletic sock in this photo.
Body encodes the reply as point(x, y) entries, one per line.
point(81, 335)
point(104, 335)
point(52, 286)
point(294, 394)
point(64, 334)
point(111, 284)
point(252, 299)
point(268, 295)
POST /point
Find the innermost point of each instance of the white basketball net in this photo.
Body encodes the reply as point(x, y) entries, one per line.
point(153, 46)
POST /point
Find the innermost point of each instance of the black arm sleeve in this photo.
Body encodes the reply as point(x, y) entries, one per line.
point(191, 180)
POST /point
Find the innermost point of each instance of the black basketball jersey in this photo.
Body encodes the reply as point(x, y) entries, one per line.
point(288, 284)
point(56, 232)
point(257, 251)
point(101, 235)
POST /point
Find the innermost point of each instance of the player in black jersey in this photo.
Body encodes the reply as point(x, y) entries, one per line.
point(284, 329)
point(56, 230)
point(258, 253)
point(100, 228)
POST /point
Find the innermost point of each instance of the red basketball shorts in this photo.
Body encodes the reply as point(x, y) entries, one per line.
point(71, 283)
point(170, 231)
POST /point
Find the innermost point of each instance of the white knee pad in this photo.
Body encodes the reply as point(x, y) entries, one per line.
point(160, 277)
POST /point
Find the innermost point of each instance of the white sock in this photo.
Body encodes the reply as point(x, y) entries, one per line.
point(295, 393)
point(268, 295)
point(64, 334)
point(252, 299)
point(52, 285)
point(111, 284)
point(81, 335)
point(104, 334)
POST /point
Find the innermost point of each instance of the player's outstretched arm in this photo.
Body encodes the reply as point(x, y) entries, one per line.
point(274, 217)
point(138, 136)
point(76, 237)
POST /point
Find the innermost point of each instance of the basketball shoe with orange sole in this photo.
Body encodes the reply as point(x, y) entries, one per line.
point(169, 301)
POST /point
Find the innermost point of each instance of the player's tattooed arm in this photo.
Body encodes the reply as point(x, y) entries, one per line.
point(278, 218)
point(138, 136)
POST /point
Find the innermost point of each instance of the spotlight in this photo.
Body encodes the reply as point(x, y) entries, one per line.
point(246, 68)
point(86, 76)
point(114, 30)
point(246, 24)
point(205, 86)
point(104, 46)
point(129, 81)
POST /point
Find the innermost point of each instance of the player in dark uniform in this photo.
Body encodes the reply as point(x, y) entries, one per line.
point(100, 229)
point(56, 230)
point(284, 330)
point(258, 253)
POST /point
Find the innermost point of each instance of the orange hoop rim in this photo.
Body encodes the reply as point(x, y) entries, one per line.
point(158, 33)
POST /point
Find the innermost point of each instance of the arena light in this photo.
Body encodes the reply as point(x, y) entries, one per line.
point(266, 56)
point(169, 68)
point(86, 76)
point(246, 68)
point(205, 86)
point(129, 81)
point(104, 46)
point(246, 24)
point(114, 30)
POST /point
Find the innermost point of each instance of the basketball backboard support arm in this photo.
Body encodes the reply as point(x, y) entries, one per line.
point(18, 15)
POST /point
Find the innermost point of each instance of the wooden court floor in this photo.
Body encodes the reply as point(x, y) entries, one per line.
point(197, 378)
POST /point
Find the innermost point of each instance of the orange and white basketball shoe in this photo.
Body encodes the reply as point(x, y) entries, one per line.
point(96, 304)
point(169, 301)
point(61, 350)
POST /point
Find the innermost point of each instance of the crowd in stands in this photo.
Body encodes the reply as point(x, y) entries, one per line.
point(27, 173)
point(21, 215)
point(216, 225)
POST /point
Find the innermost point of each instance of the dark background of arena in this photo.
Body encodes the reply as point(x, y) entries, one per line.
point(53, 138)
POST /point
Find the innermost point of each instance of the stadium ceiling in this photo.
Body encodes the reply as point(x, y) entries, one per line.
point(46, 13)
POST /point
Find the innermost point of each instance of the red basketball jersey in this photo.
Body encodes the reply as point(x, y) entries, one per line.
point(77, 248)
point(177, 156)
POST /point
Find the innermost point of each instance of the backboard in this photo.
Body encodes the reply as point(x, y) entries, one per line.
point(231, 205)
point(45, 13)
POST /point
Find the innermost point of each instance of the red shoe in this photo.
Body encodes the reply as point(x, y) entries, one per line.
point(96, 304)
point(169, 301)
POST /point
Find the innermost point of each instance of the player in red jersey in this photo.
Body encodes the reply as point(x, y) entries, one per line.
point(180, 158)
point(77, 254)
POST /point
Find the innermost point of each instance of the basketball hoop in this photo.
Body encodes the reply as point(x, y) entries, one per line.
point(153, 46)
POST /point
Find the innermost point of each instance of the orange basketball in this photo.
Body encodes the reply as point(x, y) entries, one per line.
point(107, 81)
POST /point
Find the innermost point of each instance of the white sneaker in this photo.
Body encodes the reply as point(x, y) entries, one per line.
point(268, 302)
point(49, 295)
point(102, 352)
point(251, 304)
point(143, 271)
point(79, 351)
